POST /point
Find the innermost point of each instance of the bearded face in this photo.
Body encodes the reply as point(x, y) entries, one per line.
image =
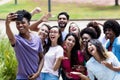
point(62, 21)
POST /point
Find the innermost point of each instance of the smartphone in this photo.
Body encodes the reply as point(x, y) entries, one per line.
point(19, 17)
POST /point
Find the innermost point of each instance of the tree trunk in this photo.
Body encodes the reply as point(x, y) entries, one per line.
point(116, 2)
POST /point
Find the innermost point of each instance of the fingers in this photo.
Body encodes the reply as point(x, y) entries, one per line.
point(36, 10)
point(11, 16)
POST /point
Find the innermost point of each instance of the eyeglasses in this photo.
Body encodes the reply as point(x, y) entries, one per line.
point(51, 31)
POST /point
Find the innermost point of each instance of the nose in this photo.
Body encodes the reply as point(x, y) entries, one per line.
point(84, 40)
point(70, 41)
point(20, 24)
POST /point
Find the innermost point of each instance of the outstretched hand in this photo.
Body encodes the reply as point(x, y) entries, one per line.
point(109, 65)
point(33, 76)
point(36, 11)
point(82, 76)
point(46, 17)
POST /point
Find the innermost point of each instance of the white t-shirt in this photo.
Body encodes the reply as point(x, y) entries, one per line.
point(50, 58)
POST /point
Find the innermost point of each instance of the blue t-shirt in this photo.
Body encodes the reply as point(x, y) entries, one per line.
point(27, 53)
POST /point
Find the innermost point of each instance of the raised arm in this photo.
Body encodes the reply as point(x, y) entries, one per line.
point(36, 11)
point(44, 18)
point(57, 63)
point(9, 33)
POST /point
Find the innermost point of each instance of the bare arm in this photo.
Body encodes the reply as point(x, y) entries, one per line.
point(110, 66)
point(82, 76)
point(57, 63)
point(8, 29)
point(35, 11)
point(34, 26)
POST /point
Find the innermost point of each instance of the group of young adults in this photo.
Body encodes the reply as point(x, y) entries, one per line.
point(76, 55)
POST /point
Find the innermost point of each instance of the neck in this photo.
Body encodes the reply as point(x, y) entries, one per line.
point(26, 36)
point(97, 58)
point(54, 44)
point(43, 40)
point(112, 40)
point(62, 29)
point(68, 53)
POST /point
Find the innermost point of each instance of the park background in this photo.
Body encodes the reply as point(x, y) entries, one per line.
point(79, 10)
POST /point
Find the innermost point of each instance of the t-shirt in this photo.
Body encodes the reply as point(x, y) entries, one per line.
point(67, 68)
point(50, 58)
point(27, 55)
point(100, 71)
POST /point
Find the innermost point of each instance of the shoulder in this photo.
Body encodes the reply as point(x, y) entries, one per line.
point(91, 60)
point(117, 41)
point(60, 47)
point(110, 55)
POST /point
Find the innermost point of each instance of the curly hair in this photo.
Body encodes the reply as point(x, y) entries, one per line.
point(95, 25)
point(89, 31)
point(112, 24)
point(25, 14)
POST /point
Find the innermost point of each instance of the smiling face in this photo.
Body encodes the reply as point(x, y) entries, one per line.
point(74, 29)
point(70, 42)
point(43, 32)
point(62, 21)
point(85, 38)
point(109, 33)
point(22, 26)
point(92, 49)
point(54, 34)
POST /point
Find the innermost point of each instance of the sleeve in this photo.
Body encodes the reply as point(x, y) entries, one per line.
point(115, 61)
point(59, 52)
point(40, 46)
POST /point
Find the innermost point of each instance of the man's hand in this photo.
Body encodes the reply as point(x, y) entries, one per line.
point(10, 17)
point(33, 76)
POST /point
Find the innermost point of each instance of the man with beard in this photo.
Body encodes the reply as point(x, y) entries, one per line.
point(63, 19)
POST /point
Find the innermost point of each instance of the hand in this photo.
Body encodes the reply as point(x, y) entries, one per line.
point(46, 17)
point(36, 11)
point(109, 65)
point(82, 76)
point(79, 68)
point(33, 76)
point(10, 17)
point(68, 75)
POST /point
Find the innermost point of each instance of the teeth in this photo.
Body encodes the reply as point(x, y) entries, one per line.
point(21, 28)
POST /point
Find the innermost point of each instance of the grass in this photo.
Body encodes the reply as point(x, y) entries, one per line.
point(76, 11)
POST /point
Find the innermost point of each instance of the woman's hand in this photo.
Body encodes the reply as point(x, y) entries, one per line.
point(109, 65)
point(82, 76)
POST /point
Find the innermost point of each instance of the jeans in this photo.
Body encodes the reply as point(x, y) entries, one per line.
point(48, 76)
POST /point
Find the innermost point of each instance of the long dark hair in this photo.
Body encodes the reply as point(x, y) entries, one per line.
point(100, 49)
point(59, 41)
point(74, 55)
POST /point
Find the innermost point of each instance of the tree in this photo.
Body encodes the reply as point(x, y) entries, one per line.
point(116, 2)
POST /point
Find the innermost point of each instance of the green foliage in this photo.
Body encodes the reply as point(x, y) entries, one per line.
point(8, 64)
point(76, 11)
